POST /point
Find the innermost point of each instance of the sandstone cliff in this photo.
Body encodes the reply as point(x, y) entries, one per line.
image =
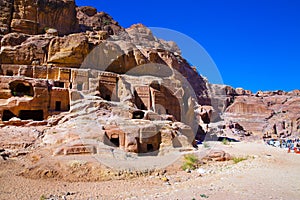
point(132, 47)
point(68, 66)
point(34, 17)
point(49, 39)
point(264, 114)
point(273, 114)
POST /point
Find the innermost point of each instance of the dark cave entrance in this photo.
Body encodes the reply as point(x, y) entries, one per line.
point(115, 141)
point(21, 88)
point(107, 97)
point(138, 114)
point(7, 115)
point(58, 106)
point(9, 73)
point(36, 115)
point(105, 92)
point(150, 147)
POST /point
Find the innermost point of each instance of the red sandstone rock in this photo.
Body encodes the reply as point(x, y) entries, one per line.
point(33, 17)
point(217, 156)
point(266, 113)
point(32, 49)
point(90, 20)
point(70, 50)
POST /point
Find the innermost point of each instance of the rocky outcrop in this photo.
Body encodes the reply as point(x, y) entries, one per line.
point(91, 20)
point(269, 114)
point(112, 127)
point(5, 16)
point(120, 50)
point(249, 106)
point(14, 39)
point(142, 36)
point(35, 17)
point(60, 15)
point(25, 17)
point(264, 114)
point(216, 156)
point(68, 51)
point(18, 48)
point(18, 139)
point(168, 54)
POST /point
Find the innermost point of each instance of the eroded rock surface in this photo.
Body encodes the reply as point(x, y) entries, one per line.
point(100, 87)
point(264, 114)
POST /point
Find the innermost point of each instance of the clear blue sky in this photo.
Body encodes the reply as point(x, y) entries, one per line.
point(254, 43)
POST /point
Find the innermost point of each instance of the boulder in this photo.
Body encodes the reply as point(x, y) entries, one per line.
point(51, 32)
point(217, 156)
point(68, 51)
point(87, 10)
point(239, 91)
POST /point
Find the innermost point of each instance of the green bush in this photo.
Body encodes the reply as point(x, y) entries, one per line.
point(203, 196)
point(225, 141)
point(106, 22)
point(43, 197)
point(238, 159)
point(190, 162)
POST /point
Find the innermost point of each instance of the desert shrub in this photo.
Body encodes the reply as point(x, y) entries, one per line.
point(203, 196)
point(190, 162)
point(238, 159)
point(106, 22)
point(225, 141)
point(35, 158)
point(43, 197)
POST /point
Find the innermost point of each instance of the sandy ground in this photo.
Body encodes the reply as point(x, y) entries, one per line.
point(267, 173)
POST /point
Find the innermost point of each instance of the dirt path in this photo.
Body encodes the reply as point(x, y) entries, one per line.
point(268, 173)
